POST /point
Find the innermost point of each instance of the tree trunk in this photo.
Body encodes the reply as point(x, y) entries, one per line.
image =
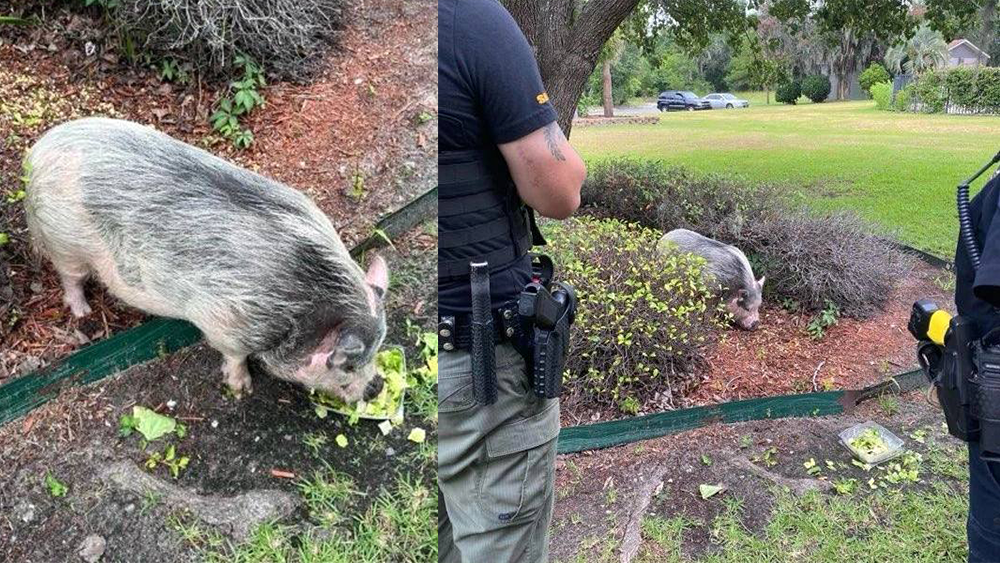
point(609, 104)
point(567, 36)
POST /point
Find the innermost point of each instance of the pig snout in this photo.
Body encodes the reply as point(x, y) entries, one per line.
point(746, 320)
point(373, 388)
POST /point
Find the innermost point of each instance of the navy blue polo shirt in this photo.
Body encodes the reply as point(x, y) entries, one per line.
point(490, 92)
point(978, 293)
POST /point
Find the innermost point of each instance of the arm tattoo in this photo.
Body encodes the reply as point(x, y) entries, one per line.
point(553, 134)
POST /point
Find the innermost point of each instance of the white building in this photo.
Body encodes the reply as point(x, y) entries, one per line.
point(961, 52)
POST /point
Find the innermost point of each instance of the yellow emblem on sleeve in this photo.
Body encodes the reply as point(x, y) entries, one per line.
point(542, 98)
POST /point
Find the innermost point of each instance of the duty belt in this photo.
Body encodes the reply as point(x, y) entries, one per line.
point(454, 331)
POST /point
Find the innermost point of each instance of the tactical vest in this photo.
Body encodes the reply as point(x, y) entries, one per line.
point(480, 215)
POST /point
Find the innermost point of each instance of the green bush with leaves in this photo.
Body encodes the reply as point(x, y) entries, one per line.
point(968, 89)
point(882, 94)
point(874, 74)
point(643, 319)
point(931, 92)
point(904, 98)
point(816, 88)
point(808, 258)
point(788, 92)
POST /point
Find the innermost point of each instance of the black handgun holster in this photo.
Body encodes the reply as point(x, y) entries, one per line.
point(546, 318)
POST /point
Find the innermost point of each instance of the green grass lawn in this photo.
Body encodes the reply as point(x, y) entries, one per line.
point(898, 170)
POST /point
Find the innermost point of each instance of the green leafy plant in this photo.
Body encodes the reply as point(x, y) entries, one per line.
point(769, 457)
point(824, 320)
point(169, 458)
point(173, 71)
point(904, 98)
point(314, 441)
point(4, 238)
point(242, 98)
point(881, 92)
point(644, 317)
point(845, 486)
point(874, 74)
point(788, 92)
point(816, 88)
point(56, 487)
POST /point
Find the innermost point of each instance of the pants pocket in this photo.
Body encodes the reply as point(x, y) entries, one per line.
point(517, 475)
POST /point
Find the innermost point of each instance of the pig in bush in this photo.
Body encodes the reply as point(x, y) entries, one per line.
point(174, 231)
point(727, 268)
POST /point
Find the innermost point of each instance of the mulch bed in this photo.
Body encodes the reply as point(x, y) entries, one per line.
point(782, 358)
point(357, 139)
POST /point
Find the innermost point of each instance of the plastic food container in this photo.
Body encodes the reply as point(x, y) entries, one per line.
point(894, 444)
point(398, 415)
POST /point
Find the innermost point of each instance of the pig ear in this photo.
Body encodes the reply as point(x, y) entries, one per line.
point(378, 275)
point(760, 282)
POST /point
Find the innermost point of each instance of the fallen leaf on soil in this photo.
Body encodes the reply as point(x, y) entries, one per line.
point(282, 474)
point(709, 491)
point(341, 440)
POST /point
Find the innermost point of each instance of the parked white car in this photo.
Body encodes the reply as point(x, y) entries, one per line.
point(728, 101)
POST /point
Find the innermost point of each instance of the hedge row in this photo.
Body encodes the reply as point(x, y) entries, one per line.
point(958, 90)
point(809, 259)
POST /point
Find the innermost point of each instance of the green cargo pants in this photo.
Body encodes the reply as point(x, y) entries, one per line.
point(495, 465)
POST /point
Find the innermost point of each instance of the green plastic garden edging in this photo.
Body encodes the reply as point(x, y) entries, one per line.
point(159, 337)
point(618, 432)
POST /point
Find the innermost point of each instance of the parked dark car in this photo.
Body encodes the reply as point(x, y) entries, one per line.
point(677, 99)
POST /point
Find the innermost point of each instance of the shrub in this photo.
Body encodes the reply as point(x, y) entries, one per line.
point(904, 98)
point(831, 257)
point(931, 92)
point(655, 195)
point(286, 36)
point(874, 74)
point(788, 92)
point(882, 94)
point(807, 258)
point(643, 317)
point(816, 87)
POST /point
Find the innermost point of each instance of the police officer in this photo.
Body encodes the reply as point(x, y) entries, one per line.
point(502, 154)
point(977, 296)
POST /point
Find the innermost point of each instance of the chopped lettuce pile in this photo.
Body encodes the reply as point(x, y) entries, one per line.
point(391, 365)
point(386, 406)
point(870, 443)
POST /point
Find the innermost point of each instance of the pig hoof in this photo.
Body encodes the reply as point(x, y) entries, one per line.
point(239, 383)
point(79, 308)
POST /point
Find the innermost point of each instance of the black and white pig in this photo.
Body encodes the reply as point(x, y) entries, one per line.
point(177, 232)
point(727, 268)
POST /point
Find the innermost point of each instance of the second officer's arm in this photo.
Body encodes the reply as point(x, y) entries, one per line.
point(547, 171)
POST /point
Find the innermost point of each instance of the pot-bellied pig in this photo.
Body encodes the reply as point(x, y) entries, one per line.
point(177, 232)
point(727, 268)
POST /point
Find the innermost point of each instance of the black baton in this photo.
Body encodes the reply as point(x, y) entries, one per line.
point(483, 352)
